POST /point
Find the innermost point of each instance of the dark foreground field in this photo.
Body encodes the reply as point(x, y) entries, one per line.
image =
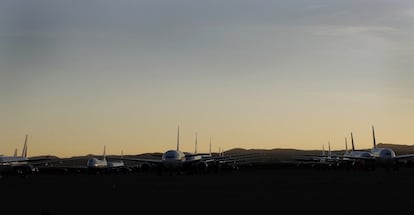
point(250, 190)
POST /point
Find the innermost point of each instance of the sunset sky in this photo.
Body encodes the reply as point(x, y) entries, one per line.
point(263, 74)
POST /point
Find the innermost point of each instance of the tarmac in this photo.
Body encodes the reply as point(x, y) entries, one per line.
point(257, 189)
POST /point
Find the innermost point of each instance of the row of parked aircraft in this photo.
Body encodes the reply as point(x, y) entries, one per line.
point(371, 158)
point(179, 161)
point(171, 160)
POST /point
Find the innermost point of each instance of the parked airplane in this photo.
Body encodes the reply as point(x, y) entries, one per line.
point(21, 164)
point(357, 158)
point(179, 161)
point(387, 156)
point(376, 156)
point(174, 159)
point(323, 160)
point(99, 165)
point(93, 165)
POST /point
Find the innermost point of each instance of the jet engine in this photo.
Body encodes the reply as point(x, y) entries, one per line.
point(202, 166)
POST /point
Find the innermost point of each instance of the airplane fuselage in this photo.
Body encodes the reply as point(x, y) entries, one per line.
point(173, 159)
point(96, 163)
point(383, 155)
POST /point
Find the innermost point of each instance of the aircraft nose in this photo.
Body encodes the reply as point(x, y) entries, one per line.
point(386, 154)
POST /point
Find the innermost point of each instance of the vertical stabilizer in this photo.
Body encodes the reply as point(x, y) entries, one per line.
point(346, 146)
point(178, 138)
point(329, 149)
point(323, 150)
point(24, 151)
point(195, 144)
point(104, 153)
point(209, 149)
point(352, 142)
point(373, 137)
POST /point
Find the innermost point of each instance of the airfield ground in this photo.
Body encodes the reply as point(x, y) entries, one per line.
point(256, 190)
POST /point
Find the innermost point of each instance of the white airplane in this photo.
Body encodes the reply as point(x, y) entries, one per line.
point(177, 160)
point(95, 163)
point(6, 160)
point(377, 156)
point(103, 164)
point(356, 154)
point(21, 164)
point(387, 156)
point(320, 160)
point(357, 158)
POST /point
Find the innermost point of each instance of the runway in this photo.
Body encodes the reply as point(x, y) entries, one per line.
point(248, 190)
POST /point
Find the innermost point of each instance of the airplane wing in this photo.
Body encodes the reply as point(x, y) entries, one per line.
point(402, 157)
point(359, 158)
point(308, 158)
point(235, 159)
point(31, 161)
point(143, 160)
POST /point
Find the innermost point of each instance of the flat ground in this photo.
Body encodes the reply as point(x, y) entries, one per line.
point(248, 190)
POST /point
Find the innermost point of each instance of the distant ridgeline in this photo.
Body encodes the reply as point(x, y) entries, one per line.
point(278, 154)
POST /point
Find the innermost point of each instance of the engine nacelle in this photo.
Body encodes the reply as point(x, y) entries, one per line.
point(202, 166)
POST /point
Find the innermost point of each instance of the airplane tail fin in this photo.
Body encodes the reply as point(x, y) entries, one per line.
point(221, 151)
point(104, 153)
point(178, 138)
point(24, 151)
point(329, 149)
point(373, 137)
point(195, 145)
point(209, 150)
point(346, 146)
point(323, 150)
point(352, 142)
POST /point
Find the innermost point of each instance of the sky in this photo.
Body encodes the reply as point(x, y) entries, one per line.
point(80, 75)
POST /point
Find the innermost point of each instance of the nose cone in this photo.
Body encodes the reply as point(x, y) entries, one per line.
point(92, 162)
point(387, 154)
point(171, 155)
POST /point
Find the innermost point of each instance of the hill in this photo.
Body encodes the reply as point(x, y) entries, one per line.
point(280, 155)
